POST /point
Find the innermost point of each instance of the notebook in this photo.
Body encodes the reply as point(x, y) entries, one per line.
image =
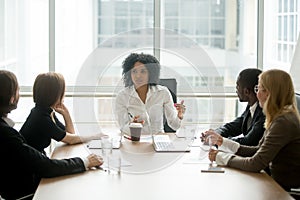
point(96, 144)
point(163, 143)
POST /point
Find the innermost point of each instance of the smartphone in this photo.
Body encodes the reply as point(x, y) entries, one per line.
point(213, 170)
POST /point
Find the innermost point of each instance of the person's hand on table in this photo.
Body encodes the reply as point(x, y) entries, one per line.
point(212, 154)
point(217, 138)
point(94, 160)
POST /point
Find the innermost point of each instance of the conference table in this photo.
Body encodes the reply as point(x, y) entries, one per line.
point(149, 175)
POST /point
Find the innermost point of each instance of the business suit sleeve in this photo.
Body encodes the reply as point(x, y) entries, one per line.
point(233, 128)
point(35, 162)
point(254, 134)
point(278, 136)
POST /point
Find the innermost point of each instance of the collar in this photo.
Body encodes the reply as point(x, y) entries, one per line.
point(9, 121)
point(151, 90)
point(252, 109)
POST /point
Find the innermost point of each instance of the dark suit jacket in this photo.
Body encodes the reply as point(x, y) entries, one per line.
point(22, 166)
point(252, 135)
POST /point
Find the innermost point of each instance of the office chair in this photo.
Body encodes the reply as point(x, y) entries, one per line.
point(27, 197)
point(295, 193)
point(171, 84)
point(298, 101)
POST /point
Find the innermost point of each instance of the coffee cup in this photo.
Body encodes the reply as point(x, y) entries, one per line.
point(135, 131)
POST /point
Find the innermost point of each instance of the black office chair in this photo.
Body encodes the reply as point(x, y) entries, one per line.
point(297, 96)
point(295, 193)
point(27, 197)
point(171, 84)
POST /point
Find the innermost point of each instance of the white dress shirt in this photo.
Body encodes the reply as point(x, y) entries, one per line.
point(227, 150)
point(158, 102)
point(252, 109)
point(9, 121)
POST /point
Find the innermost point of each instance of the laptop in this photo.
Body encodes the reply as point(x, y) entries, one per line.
point(163, 143)
point(96, 144)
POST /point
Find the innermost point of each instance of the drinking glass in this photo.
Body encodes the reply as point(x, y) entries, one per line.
point(115, 164)
point(212, 142)
point(190, 132)
point(106, 146)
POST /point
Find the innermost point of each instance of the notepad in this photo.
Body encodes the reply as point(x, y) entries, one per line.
point(96, 144)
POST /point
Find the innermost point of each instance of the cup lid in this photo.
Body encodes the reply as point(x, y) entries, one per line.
point(135, 125)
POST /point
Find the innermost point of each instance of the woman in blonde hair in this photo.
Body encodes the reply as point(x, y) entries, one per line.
point(42, 125)
point(279, 149)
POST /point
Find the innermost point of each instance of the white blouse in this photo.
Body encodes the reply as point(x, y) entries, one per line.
point(158, 102)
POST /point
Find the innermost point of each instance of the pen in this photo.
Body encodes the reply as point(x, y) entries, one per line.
point(101, 168)
point(130, 115)
point(127, 137)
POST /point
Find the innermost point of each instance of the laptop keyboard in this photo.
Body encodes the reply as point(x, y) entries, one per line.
point(164, 145)
point(163, 142)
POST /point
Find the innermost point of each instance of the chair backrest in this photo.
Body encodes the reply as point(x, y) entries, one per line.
point(298, 101)
point(171, 84)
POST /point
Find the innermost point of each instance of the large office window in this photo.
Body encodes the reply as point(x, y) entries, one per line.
point(281, 32)
point(24, 45)
point(204, 51)
point(203, 44)
point(206, 43)
point(24, 33)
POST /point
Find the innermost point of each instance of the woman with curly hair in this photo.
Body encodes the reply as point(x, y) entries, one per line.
point(143, 99)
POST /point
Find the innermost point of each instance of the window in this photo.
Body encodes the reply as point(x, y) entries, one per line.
point(203, 44)
point(280, 38)
point(24, 37)
point(285, 38)
point(24, 45)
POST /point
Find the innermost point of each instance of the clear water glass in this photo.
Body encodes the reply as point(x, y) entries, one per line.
point(106, 146)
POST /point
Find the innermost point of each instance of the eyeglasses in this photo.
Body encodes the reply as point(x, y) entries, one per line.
point(257, 88)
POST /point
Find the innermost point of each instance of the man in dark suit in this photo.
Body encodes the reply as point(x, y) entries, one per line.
point(248, 128)
point(22, 166)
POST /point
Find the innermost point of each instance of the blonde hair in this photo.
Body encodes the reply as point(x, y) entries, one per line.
point(281, 97)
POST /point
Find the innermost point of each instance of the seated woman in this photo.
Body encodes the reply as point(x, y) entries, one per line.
point(143, 100)
point(279, 148)
point(42, 124)
point(22, 166)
